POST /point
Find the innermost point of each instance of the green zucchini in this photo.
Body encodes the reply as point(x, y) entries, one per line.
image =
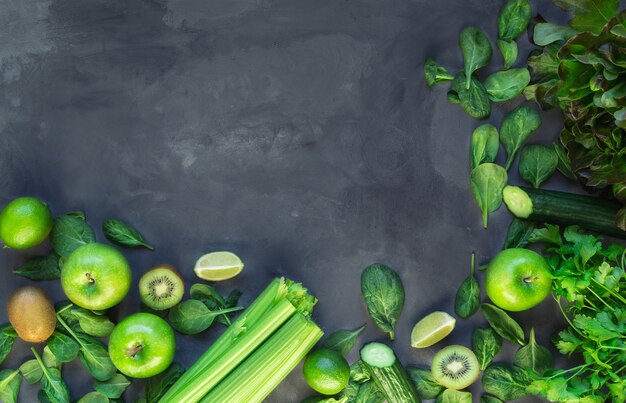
point(592, 213)
point(388, 374)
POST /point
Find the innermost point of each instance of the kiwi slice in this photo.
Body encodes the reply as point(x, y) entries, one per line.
point(161, 287)
point(455, 367)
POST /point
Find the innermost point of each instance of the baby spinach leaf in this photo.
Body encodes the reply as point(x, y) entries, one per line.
point(69, 233)
point(486, 343)
point(533, 356)
point(507, 382)
point(563, 165)
point(113, 388)
point(454, 396)
point(7, 337)
point(537, 163)
point(214, 301)
point(52, 385)
point(589, 15)
point(10, 381)
point(64, 348)
point(513, 19)
point(158, 385)
point(487, 181)
point(192, 316)
point(516, 127)
point(31, 371)
point(475, 100)
point(518, 233)
point(94, 397)
point(121, 233)
point(476, 51)
point(383, 293)
point(40, 268)
point(509, 52)
point(507, 84)
point(50, 360)
point(95, 357)
point(453, 97)
point(435, 74)
point(546, 33)
point(503, 324)
point(92, 323)
point(342, 341)
point(484, 146)
point(427, 387)
point(467, 300)
point(490, 399)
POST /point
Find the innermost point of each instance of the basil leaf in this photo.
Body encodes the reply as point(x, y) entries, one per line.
point(158, 385)
point(113, 388)
point(121, 233)
point(435, 74)
point(40, 268)
point(509, 52)
point(69, 233)
point(487, 181)
point(383, 293)
point(476, 51)
point(490, 399)
point(537, 163)
point(95, 357)
point(504, 85)
point(518, 234)
point(503, 324)
point(467, 300)
point(192, 316)
point(54, 387)
point(342, 341)
point(486, 343)
point(507, 382)
point(484, 145)
point(474, 100)
point(589, 15)
point(427, 387)
point(31, 371)
point(7, 337)
point(516, 127)
point(10, 381)
point(454, 396)
point(533, 356)
point(546, 33)
point(513, 19)
point(94, 397)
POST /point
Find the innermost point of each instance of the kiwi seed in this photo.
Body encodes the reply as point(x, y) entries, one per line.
point(161, 287)
point(455, 367)
point(31, 314)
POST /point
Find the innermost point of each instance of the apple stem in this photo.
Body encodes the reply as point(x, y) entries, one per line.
point(132, 352)
point(529, 280)
point(89, 278)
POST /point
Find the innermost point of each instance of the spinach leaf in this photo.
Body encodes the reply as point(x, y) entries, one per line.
point(504, 85)
point(589, 15)
point(507, 382)
point(467, 300)
point(113, 388)
point(509, 52)
point(10, 381)
point(503, 324)
point(453, 97)
point(7, 337)
point(158, 385)
point(342, 341)
point(487, 181)
point(516, 127)
point(50, 360)
point(435, 74)
point(69, 233)
point(546, 33)
point(40, 268)
point(192, 316)
point(533, 356)
point(454, 396)
point(31, 371)
point(92, 323)
point(94, 397)
point(427, 387)
point(474, 101)
point(513, 19)
point(484, 146)
point(369, 393)
point(121, 233)
point(383, 293)
point(214, 301)
point(486, 343)
point(95, 357)
point(64, 348)
point(476, 51)
point(563, 165)
point(490, 399)
point(52, 385)
point(518, 233)
point(537, 163)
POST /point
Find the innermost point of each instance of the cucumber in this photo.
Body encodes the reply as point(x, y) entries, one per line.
point(388, 374)
point(592, 213)
point(517, 201)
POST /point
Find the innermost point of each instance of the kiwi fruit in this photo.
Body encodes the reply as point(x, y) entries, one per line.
point(161, 287)
point(455, 367)
point(31, 313)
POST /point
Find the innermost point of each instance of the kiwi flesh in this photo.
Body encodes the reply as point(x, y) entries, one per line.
point(455, 367)
point(161, 287)
point(31, 313)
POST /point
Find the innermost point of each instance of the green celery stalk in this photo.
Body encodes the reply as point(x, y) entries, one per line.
point(269, 365)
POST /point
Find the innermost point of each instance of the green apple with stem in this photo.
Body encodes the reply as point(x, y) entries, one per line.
point(96, 276)
point(142, 345)
point(518, 279)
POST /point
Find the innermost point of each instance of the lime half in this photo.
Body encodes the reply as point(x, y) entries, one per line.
point(218, 266)
point(431, 329)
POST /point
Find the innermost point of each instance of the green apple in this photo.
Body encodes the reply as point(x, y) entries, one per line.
point(518, 279)
point(142, 345)
point(96, 276)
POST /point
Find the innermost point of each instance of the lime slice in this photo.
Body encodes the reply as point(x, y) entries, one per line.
point(432, 328)
point(218, 266)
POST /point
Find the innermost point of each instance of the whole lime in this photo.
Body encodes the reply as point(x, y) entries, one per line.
point(326, 371)
point(25, 222)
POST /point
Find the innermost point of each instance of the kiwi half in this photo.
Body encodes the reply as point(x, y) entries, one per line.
point(161, 287)
point(455, 367)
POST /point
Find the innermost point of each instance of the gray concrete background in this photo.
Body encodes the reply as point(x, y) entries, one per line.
point(298, 134)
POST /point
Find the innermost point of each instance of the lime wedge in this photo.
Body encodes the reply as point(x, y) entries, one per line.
point(432, 328)
point(218, 266)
